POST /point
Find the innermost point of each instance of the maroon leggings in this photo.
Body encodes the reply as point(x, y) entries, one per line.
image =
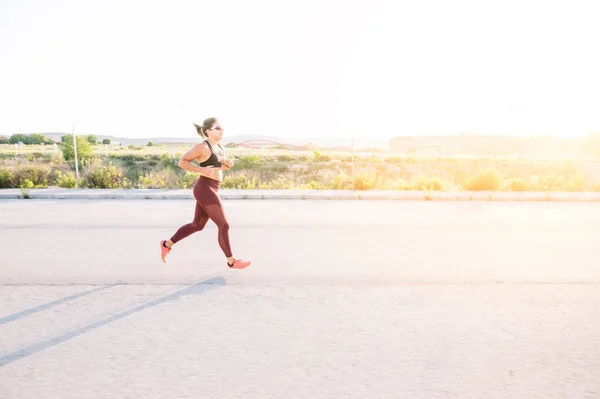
point(208, 206)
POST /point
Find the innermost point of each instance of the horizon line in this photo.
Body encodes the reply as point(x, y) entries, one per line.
point(350, 137)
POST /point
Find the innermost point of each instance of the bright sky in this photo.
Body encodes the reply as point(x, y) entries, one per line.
point(300, 68)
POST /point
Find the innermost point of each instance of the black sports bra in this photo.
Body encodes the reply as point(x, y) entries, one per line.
point(213, 160)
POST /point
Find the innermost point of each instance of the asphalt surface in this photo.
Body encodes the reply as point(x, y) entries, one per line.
point(348, 299)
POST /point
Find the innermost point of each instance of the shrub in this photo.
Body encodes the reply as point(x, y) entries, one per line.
point(127, 157)
point(171, 163)
point(160, 179)
point(285, 158)
point(517, 184)
point(281, 183)
point(364, 182)
point(247, 162)
point(341, 182)
point(65, 179)
point(313, 185)
point(25, 185)
point(152, 181)
point(187, 180)
point(108, 176)
point(37, 174)
point(427, 184)
point(319, 157)
point(7, 178)
point(488, 179)
point(34, 156)
point(239, 182)
point(276, 167)
point(132, 172)
point(399, 184)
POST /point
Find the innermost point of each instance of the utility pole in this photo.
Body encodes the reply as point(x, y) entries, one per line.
point(75, 153)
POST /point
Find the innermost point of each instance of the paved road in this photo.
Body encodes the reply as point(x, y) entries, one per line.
point(345, 299)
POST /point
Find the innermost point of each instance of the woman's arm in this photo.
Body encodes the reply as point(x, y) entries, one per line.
point(199, 151)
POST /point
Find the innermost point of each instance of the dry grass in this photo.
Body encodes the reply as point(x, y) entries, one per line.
point(156, 167)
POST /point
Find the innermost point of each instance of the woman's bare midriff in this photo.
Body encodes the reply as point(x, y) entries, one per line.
point(215, 175)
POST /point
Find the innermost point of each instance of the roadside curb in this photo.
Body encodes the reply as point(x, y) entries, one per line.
point(228, 194)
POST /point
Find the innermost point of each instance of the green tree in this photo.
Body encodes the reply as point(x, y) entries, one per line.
point(4, 140)
point(106, 141)
point(37, 138)
point(15, 138)
point(84, 149)
point(92, 139)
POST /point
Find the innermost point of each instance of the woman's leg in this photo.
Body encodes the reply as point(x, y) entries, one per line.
point(216, 213)
point(200, 219)
point(208, 199)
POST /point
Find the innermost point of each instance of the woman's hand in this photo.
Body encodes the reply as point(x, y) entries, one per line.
point(228, 163)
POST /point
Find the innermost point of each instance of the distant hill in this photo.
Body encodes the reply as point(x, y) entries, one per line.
point(165, 140)
point(323, 142)
point(462, 144)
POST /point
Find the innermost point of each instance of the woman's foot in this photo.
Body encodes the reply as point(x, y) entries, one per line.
point(164, 250)
point(239, 264)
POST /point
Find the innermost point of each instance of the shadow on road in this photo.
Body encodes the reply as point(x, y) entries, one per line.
point(17, 316)
point(195, 289)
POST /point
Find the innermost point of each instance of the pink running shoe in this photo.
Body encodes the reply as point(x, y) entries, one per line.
point(164, 251)
point(239, 264)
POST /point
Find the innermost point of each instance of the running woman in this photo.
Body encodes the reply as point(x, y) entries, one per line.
point(212, 158)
